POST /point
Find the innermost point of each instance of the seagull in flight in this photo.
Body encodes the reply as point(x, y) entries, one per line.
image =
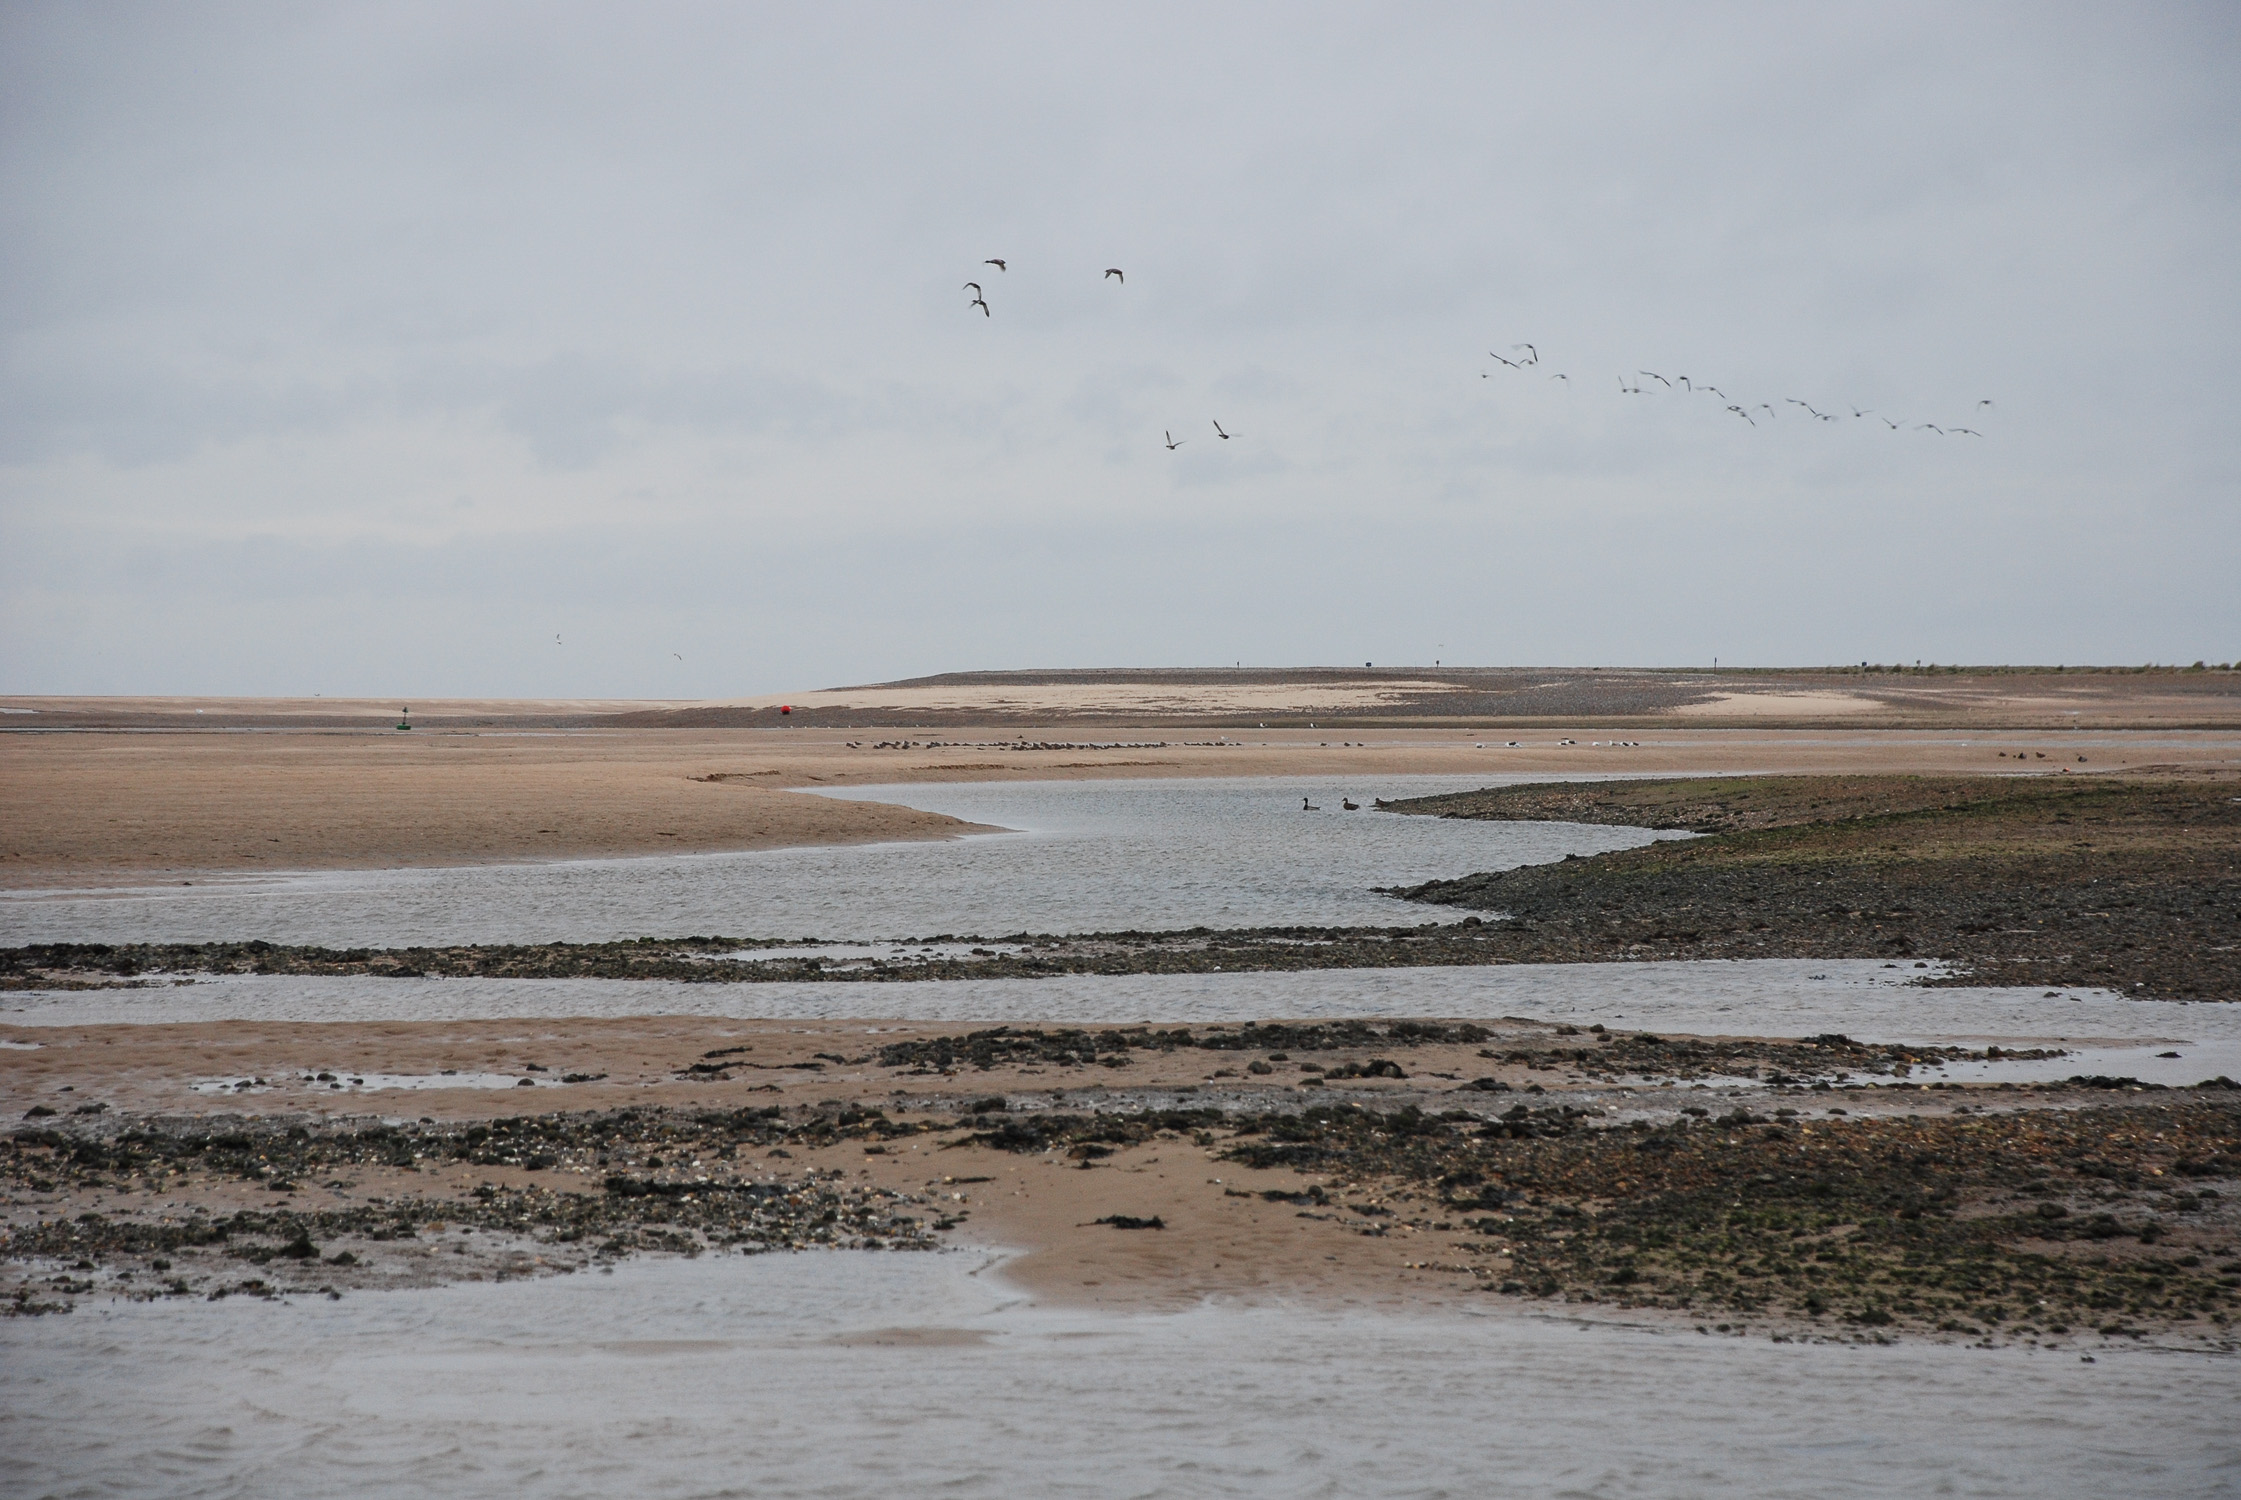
point(1987, 401)
point(1859, 413)
point(1715, 390)
point(1655, 376)
point(1172, 445)
point(680, 658)
point(1770, 411)
point(999, 265)
point(1746, 416)
point(1225, 437)
point(983, 306)
point(1966, 431)
point(556, 638)
point(1886, 421)
point(1529, 349)
point(1513, 364)
point(1932, 426)
point(1115, 271)
point(1561, 376)
point(1685, 383)
point(973, 287)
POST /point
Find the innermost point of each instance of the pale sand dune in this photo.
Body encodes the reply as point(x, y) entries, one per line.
point(1780, 705)
point(1109, 699)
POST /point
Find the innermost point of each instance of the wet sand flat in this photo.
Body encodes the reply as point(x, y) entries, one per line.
point(108, 806)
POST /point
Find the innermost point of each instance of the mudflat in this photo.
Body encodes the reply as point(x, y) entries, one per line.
point(1372, 1161)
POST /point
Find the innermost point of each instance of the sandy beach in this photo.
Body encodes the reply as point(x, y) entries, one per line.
point(118, 790)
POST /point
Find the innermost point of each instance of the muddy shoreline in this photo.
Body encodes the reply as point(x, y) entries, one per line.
point(2011, 1215)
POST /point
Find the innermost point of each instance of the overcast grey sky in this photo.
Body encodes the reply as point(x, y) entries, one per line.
point(367, 348)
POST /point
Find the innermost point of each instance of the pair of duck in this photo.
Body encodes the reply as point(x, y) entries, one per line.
point(1350, 806)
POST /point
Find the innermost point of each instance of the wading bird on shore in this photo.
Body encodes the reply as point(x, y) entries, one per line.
point(1172, 445)
point(1225, 437)
point(999, 265)
point(1116, 272)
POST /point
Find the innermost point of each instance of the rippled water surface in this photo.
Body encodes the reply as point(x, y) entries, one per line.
point(846, 1373)
point(1084, 856)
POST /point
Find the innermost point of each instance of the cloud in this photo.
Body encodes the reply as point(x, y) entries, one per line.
point(464, 287)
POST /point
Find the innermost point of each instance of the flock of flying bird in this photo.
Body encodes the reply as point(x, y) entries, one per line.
point(1112, 273)
point(1685, 385)
point(1531, 363)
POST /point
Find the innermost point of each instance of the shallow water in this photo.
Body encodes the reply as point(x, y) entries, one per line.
point(1086, 856)
point(1863, 998)
point(847, 1373)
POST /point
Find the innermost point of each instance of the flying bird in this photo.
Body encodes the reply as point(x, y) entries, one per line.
point(1770, 411)
point(680, 658)
point(1563, 377)
point(1655, 376)
point(1115, 271)
point(971, 286)
point(1529, 349)
point(1984, 403)
point(1685, 383)
point(1513, 364)
point(1967, 431)
point(999, 265)
point(1933, 427)
point(1219, 433)
point(983, 306)
point(1886, 421)
point(1859, 413)
point(1746, 416)
point(1172, 445)
point(1715, 390)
